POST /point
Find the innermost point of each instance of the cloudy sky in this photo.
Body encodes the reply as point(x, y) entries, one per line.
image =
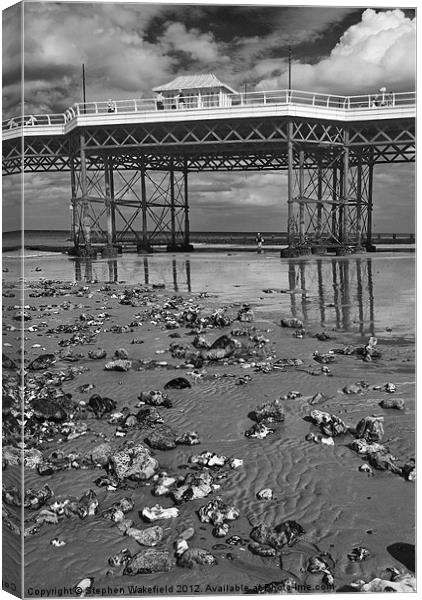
point(128, 49)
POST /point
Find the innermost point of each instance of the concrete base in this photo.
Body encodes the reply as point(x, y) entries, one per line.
point(319, 250)
point(83, 251)
point(295, 252)
point(144, 249)
point(110, 252)
point(344, 250)
point(180, 248)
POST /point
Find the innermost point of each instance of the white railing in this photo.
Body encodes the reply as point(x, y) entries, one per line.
point(389, 100)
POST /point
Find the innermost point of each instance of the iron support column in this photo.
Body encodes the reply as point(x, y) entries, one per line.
point(187, 225)
point(319, 207)
point(110, 251)
point(74, 201)
point(301, 203)
point(85, 204)
point(145, 245)
point(290, 183)
point(172, 210)
point(345, 232)
point(369, 245)
point(335, 199)
point(359, 203)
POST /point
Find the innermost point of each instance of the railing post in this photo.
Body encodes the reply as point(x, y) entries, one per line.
point(394, 99)
point(265, 98)
point(96, 108)
point(287, 97)
point(134, 102)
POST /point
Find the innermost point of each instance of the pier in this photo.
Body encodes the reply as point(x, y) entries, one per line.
point(129, 169)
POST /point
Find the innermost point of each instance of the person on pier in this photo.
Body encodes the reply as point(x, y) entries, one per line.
point(159, 100)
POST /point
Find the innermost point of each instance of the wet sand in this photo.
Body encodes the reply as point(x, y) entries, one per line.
point(318, 486)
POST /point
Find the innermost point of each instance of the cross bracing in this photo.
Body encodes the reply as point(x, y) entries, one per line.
point(136, 173)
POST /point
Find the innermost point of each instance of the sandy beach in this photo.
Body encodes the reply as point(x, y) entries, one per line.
point(165, 331)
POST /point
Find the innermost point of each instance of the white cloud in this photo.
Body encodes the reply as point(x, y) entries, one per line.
point(198, 46)
point(380, 50)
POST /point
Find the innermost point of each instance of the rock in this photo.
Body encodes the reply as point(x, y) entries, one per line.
point(402, 583)
point(223, 347)
point(35, 499)
point(163, 484)
point(121, 353)
point(409, 470)
point(370, 429)
point(117, 510)
point(44, 361)
point(262, 549)
point(146, 537)
point(330, 425)
point(324, 359)
point(259, 431)
point(319, 439)
point(397, 403)
point(120, 559)
point(284, 534)
point(88, 504)
point(189, 438)
point(208, 459)
point(221, 530)
point(265, 494)
point(196, 556)
point(361, 446)
point(148, 415)
point(179, 383)
point(49, 410)
point(57, 542)
point(358, 554)
point(245, 314)
point(161, 438)
point(180, 547)
point(133, 462)
point(390, 388)
point(155, 398)
point(318, 398)
point(369, 351)
point(97, 354)
point(269, 413)
point(366, 469)
point(293, 323)
point(352, 388)
point(100, 455)
point(384, 461)
point(158, 512)
point(217, 511)
point(83, 586)
point(8, 363)
point(150, 561)
point(101, 405)
point(193, 486)
point(186, 534)
point(118, 365)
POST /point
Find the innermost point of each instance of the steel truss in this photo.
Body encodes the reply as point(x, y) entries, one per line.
point(130, 182)
point(112, 207)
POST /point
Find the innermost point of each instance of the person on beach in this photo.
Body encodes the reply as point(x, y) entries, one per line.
point(160, 101)
point(259, 242)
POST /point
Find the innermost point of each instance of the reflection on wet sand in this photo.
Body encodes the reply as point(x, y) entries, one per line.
point(344, 286)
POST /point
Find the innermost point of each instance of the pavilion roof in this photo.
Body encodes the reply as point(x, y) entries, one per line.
point(189, 82)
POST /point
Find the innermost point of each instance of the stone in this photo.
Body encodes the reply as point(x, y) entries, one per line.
point(150, 561)
point(179, 383)
point(370, 429)
point(196, 556)
point(397, 403)
point(133, 462)
point(292, 323)
point(97, 354)
point(161, 438)
point(120, 559)
point(100, 455)
point(269, 413)
point(283, 534)
point(330, 425)
point(101, 405)
point(193, 486)
point(359, 554)
point(265, 494)
point(189, 438)
point(121, 353)
point(262, 549)
point(44, 361)
point(156, 512)
point(155, 398)
point(146, 537)
point(118, 365)
point(223, 347)
point(217, 511)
